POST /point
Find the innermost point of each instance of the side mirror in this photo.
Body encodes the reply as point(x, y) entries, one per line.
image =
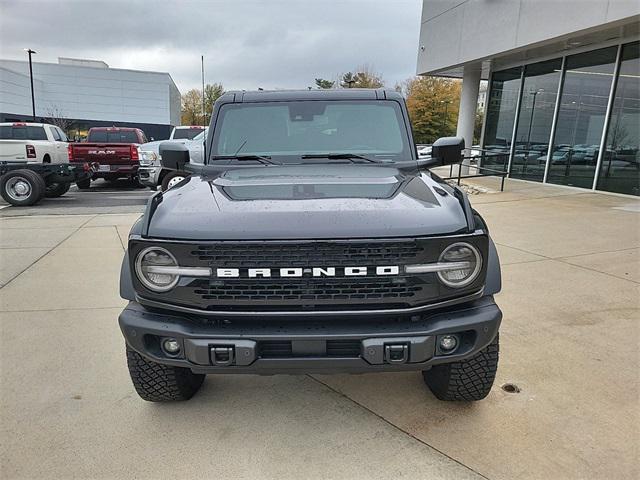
point(174, 156)
point(445, 151)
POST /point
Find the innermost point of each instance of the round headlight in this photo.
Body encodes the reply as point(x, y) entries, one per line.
point(466, 264)
point(151, 269)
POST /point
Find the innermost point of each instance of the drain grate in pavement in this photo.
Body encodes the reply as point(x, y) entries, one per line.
point(510, 388)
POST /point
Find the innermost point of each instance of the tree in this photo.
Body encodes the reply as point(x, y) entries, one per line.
point(211, 93)
point(365, 77)
point(192, 104)
point(324, 84)
point(56, 116)
point(433, 107)
point(191, 107)
point(348, 80)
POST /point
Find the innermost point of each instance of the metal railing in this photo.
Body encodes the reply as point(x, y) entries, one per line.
point(498, 162)
point(485, 163)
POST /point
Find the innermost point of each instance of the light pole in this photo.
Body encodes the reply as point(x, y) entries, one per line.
point(204, 115)
point(33, 97)
point(533, 107)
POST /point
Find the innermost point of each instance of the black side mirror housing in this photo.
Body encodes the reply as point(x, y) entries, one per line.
point(445, 151)
point(174, 156)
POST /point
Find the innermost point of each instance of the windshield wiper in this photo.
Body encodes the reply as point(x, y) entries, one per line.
point(340, 156)
point(266, 160)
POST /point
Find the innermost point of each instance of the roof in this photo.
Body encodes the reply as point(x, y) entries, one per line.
point(320, 94)
point(125, 129)
point(25, 124)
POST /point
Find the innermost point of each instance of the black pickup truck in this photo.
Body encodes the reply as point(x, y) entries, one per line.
point(311, 240)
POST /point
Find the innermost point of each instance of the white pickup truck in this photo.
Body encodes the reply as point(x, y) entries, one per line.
point(33, 143)
point(185, 132)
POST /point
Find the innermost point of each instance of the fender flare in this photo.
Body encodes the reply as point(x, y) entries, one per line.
point(126, 282)
point(494, 276)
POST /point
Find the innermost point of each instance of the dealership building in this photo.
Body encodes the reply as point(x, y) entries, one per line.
point(88, 93)
point(563, 103)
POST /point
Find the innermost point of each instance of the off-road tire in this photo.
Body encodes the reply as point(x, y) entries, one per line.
point(56, 190)
point(35, 181)
point(155, 382)
point(170, 176)
point(467, 380)
point(84, 184)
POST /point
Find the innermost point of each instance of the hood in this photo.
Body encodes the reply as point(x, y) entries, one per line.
point(307, 202)
point(155, 145)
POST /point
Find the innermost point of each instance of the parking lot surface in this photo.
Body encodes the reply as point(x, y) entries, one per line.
point(102, 197)
point(569, 343)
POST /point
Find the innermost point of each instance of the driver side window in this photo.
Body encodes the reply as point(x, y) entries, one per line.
point(56, 135)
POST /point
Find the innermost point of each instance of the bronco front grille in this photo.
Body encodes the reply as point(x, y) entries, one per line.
point(308, 292)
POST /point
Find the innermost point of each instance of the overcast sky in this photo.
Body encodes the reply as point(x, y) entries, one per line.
point(246, 43)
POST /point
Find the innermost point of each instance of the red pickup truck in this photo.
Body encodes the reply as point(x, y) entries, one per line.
point(115, 149)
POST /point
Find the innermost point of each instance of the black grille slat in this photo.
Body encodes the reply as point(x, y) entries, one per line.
point(342, 288)
point(275, 349)
point(317, 254)
point(343, 348)
point(284, 349)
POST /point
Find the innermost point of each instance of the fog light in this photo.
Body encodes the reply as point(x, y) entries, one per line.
point(171, 346)
point(448, 343)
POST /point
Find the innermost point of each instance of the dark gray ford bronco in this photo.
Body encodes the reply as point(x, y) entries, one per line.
point(310, 240)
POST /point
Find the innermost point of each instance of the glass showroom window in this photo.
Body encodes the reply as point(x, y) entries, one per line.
point(539, 93)
point(501, 113)
point(583, 105)
point(620, 168)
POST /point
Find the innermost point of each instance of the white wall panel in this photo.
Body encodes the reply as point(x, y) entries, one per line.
point(89, 93)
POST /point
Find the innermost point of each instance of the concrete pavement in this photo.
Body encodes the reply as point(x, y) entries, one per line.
point(102, 197)
point(569, 341)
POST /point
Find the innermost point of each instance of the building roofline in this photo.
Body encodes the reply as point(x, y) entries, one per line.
point(86, 66)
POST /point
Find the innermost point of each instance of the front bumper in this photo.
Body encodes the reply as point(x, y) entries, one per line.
point(149, 176)
point(350, 345)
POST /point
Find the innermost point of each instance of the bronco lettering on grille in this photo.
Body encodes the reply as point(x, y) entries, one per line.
point(309, 272)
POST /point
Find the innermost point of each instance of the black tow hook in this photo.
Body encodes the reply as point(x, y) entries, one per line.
point(396, 353)
point(222, 356)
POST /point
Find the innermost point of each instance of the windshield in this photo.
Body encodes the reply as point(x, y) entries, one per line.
point(201, 136)
point(374, 129)
point(112, 136)
point(12, 132)
point(186, 133)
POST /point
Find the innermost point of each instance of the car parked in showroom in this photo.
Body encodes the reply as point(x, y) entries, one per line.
point(312, 239)
point(152, 174)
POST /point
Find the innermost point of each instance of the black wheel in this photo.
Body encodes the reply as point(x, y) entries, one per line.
point(135, 182)
point(55, 190)
point(467, 380)
point(155, 382)
point(171, 179)
point(22, 187)
point(84, 184)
